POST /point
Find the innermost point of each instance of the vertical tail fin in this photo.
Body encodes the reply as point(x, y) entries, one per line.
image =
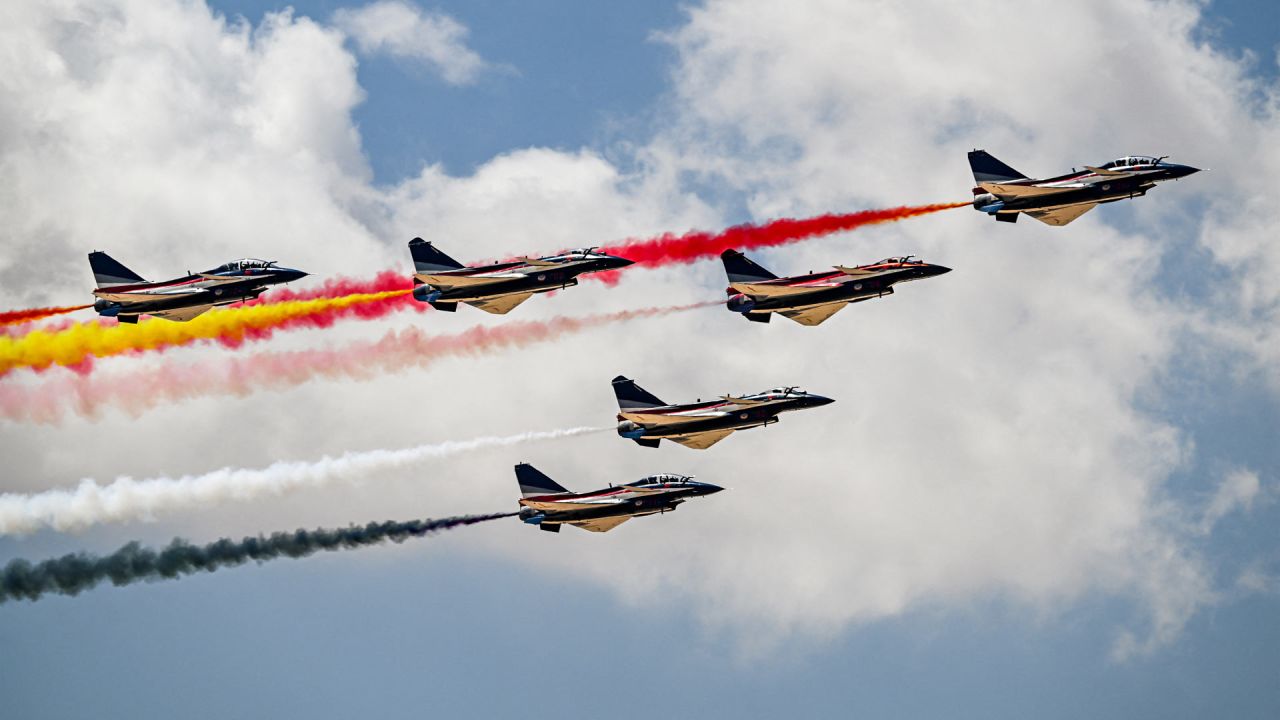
point(988, 169)
point(426, 258)
point(633, 397)
point(533, 482)
point(740, 268)
point(108, 271)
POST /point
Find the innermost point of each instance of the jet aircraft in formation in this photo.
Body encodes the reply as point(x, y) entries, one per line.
point(547, 504)
point(1003, 192)
point(647, 420)
point(444, 282)
point(810, 299)
point(124, 295)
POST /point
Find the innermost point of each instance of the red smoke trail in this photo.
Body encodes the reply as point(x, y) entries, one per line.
point(140, 390)
point(669, 248)
point(384, 281)
point(17, 317)
point(82, 342)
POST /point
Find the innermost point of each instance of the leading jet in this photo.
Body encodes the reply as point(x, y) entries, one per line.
point(810, 299)
point(699, 425)
point(124, 295)
point(547, 504)
point(1003, 192)
point(444, 282)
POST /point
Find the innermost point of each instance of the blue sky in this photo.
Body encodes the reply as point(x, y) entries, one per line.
point(441, 626)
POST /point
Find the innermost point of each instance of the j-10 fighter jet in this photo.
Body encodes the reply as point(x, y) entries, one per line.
point(811, 299)
point(1003, 192)
point(699, 425)
point(444, 282)
point(548, 505)
point(124, 295)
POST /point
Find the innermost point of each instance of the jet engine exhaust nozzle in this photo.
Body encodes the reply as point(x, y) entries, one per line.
point(981, 202)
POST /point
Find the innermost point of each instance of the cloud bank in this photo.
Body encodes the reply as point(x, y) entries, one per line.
point(994, 435)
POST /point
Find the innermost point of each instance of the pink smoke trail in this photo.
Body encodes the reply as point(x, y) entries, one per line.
point(137, 391)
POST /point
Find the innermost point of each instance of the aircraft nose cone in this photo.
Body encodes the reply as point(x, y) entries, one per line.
point(616, 262)
point(938, 270)
point(1180, 171)
point(709, 489)
point(289, 274)
point(819, 400)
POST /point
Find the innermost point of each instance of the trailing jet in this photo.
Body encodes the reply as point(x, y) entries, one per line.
point(548, 505)
point(444, 282)
point(1003, 192)
point(124, 295)
point(809, 299)
point(699, 425)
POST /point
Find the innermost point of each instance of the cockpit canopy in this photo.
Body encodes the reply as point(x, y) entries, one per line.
point(1131, 161)
point(664, 479)
point(897, 260)
point(786, 391)
point(575, 254)
point(241, 265)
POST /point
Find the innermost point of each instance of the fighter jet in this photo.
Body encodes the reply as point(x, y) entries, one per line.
point(124, 295)
point(810, 299)
point(1003, 192)
point(699, 425)
point(444, 282)
point(548, 505)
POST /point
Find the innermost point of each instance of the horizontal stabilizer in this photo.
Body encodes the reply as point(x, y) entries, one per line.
point(648, 442)
point(760, 317)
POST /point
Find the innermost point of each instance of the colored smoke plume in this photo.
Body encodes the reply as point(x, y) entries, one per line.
point(669, 248)
point(127, 499)
point(76, 572)
point(17, 317)
point(136, 391)
point(385, 281)
point(80, 343)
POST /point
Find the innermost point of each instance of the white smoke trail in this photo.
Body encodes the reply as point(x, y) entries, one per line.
point(128, 499)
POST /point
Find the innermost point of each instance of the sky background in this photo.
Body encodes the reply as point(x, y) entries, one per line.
point(1048, 484)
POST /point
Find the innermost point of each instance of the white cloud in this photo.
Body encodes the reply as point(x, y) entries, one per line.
point(1236, 492)
point(987, 440)
point(403, 30)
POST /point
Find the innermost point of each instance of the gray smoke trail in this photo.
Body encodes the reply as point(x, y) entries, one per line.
point(76, 572)
point(127, 499)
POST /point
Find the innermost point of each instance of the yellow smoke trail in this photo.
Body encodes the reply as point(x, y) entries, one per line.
point(82, 342)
